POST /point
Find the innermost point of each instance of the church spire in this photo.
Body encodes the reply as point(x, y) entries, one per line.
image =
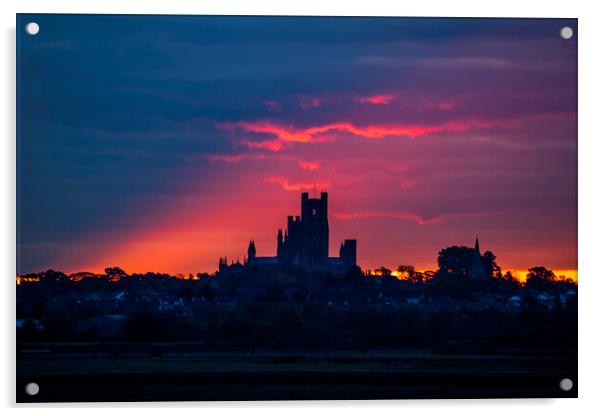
point(476, 269)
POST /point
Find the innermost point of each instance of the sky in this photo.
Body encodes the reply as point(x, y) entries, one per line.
point(160, 143)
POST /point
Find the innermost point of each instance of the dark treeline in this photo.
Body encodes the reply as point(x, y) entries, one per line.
point(250, 307)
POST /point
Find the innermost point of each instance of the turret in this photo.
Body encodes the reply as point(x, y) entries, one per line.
point(324, 204)
point(251, 252)
point(223, 264)
point(280, 243)
point(348, 252)
point(305, 209)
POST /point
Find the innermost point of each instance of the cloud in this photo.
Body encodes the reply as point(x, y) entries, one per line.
point(272, 105)
point(235, 158)
point(407, 216)
point(272, 145)
point(296, 186)
point(375, 99)
point(309, 102)
point(290, 134)
point(309, 165)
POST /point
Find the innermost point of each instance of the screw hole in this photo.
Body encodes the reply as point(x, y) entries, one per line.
point(566, 33)
point(32, 28)
point(32, 389)
point(566, 384)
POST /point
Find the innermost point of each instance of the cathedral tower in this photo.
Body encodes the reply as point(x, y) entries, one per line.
point(314, 230)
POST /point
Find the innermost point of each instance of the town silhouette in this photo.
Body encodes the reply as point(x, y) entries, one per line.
point(274, 316)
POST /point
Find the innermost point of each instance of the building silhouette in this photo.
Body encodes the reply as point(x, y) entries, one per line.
point(476, 269)
point(304, 242)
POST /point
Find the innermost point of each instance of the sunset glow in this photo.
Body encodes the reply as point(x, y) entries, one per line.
point(334, 207)
point(194, 143)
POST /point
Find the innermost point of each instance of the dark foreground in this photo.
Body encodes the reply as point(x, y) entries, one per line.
point(182, 372)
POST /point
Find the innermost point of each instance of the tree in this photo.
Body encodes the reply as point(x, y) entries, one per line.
point(52, 276)
point(383, 272)
point(540, 272)
point(416, 278)
point(491, 267)
point(115, 273)
point(406, 271)
point(508, 281)
point(540, 278)
point(455, 261)
point(509, 277)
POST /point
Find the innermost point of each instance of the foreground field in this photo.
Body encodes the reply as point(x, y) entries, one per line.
point(188, 371)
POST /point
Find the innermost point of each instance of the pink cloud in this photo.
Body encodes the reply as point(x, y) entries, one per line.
point(309, 165)
point(235, 158)
point(284, 133)
point(272, 105)
point(296, 186)
point(406, 216)
point(375, 99)
point(272, 145)
point(309, 102)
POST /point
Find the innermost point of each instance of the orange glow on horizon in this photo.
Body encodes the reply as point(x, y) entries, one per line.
point(519, 274)
point(21, 279)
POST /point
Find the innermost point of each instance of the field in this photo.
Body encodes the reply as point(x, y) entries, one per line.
point(192, 371)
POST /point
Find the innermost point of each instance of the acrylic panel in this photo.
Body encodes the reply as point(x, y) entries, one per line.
point(261, 208)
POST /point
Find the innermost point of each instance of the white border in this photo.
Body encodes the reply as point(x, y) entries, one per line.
point(590, 206)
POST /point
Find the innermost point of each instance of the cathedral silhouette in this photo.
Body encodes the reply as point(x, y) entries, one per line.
point(304, 243)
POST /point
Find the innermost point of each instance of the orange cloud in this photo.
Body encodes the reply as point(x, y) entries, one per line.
point(272, 145)
point(296, 186)
point(375, 99)
point(406, 216)
point(309, 165)
point(286, 133)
